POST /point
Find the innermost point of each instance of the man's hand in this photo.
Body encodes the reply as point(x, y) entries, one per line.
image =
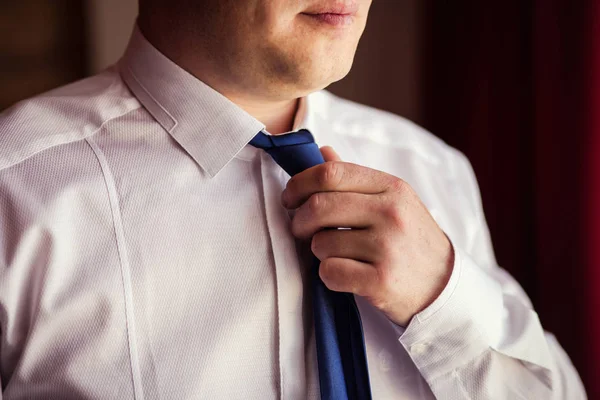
point(395, 255)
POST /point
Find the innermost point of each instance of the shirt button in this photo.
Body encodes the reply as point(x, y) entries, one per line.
point(419, 348)
point(385, 360)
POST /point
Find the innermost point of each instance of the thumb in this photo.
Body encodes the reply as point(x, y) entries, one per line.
point(329, 154)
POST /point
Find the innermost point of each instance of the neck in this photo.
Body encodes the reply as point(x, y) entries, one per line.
point(278, 116)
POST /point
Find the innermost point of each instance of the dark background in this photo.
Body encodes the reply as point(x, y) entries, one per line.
point(510, 83)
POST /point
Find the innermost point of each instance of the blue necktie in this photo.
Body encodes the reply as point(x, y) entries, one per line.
point(341, 355)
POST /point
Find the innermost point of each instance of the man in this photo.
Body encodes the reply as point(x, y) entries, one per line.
point(147, 251)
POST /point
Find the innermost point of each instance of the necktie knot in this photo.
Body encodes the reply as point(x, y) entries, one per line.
point(294, 151)
point(264, 141)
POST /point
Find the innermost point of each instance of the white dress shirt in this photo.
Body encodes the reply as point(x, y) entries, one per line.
point(145, 254)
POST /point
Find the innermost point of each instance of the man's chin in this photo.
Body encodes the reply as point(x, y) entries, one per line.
point(313, 79)
point(314, 86)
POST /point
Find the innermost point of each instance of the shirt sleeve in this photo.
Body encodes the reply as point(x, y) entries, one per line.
point(481, 337)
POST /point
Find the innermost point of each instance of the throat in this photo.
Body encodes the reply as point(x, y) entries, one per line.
point(278, 118)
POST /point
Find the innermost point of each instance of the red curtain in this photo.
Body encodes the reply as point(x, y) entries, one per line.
point(515, 85)
point(592, 205)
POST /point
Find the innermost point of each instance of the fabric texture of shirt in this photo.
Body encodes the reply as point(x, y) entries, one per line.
point(145, 254)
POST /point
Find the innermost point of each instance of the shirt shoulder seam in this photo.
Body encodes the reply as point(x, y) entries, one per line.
point(27, 157)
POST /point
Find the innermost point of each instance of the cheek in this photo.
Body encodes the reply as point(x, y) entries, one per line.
point(275, 16)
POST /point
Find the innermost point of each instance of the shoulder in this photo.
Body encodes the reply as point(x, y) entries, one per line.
point(383, 128)
point(62, 116)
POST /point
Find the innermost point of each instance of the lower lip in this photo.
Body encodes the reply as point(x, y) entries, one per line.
point(338, 20)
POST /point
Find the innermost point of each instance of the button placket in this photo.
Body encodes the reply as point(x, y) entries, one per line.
point(289, 284)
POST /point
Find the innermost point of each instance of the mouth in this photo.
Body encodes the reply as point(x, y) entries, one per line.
point(338, 14)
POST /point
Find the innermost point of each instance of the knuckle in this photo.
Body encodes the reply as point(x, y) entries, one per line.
point(330, 175)
point(314, 245)
point(394, 213)
point(379, 302)
point(330, 274)
point(298, 225)
point(384, 244)
point(295, 226)
point(399, 186)
point(315, 201)
point(326, 272)
point(387, 280)
point(291, 183)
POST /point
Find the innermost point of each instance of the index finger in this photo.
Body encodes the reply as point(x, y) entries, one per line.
point(334, 176)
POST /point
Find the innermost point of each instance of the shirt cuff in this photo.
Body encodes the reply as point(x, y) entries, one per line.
point(459, 324)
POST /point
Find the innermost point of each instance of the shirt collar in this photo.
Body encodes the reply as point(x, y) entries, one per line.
point(210, 127)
